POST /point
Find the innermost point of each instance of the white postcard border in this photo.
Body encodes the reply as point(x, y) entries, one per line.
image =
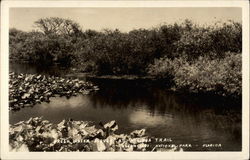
point(5, 154)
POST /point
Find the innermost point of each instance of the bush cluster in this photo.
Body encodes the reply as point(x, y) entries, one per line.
point(191, 56)
point(113, 52)
point(220, 76)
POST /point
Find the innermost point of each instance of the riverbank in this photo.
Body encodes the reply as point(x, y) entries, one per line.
point(150, 80)
point(112, 77)
point(30, 89)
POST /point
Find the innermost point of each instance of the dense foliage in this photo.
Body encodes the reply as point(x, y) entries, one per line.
point(220, 76)
point(157, 51)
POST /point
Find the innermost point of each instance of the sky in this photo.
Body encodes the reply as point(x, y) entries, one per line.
point(124, 19)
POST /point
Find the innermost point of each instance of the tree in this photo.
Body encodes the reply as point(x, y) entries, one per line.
point(59, 26)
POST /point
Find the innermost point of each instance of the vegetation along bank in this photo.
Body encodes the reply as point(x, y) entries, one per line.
point(188, 56)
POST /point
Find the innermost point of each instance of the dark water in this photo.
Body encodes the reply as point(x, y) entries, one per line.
point(135, 104)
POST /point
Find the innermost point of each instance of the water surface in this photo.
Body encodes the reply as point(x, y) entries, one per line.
point(135, 104)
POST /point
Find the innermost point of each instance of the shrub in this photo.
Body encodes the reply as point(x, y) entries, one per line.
point(165, 68)
point(222, 76)
point(212, 41)
point(219, 76)
point(35, 47)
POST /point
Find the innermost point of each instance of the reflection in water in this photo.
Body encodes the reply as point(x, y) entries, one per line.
point(136, 105)
point(142, 118)
point(37, 69)
point(163, 114)
point(63, 102)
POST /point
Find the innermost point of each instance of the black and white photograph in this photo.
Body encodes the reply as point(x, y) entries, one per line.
point(158, 78)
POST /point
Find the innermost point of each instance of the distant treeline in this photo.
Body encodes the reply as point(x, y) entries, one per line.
point(189, 56)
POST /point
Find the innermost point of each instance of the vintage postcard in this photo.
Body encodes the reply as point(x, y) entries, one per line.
point(124, 79)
